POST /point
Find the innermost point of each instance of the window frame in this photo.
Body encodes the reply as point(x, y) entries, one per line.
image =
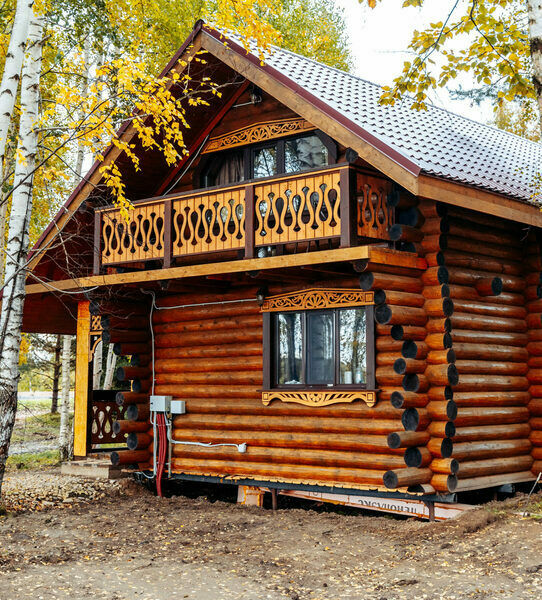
point(271, 349)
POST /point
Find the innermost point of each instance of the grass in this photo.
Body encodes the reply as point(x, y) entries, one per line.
point(38, 427)
point(29, 460)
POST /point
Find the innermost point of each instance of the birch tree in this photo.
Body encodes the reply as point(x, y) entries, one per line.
point(11, 315)
point(534, 11)
point(64, 437)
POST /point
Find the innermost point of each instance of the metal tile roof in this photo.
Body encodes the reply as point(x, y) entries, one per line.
point(439, 142)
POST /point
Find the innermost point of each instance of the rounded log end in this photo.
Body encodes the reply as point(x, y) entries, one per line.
point(451, 482)
point(400, 366)
point(539, 291)
point(395, 232)
point(117, 349)
point(366, 281)
point(383, 314)
point(445, 226)
point(408, 247)
point(410, 419)
point(409, 349)
point(413, 457)
point(443, 241)
point(116, 427)
point(454, 466)
point(390, 480)
point(450, 356)
point(453, 374)
point(397, 399)
point(446, 448)
point(448, 393)
point(442, 210)
point(120, 373)
point(106, 336)
point(136, 386)
point(497, 286)
point(397, 332)
point(449, 429)
point(445, 290)
point(411, 382)
point(380, 296)
point(451, 410)
point(447, 307)
point(441, 260)
point(131, 413)
point(442, 275)
point(447, 340)
point(115, 458)
point(119, 398)
point(135, 360)
point(394, 440)
point(131, 441)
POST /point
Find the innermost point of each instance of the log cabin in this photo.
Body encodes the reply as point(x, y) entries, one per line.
point(324, 294)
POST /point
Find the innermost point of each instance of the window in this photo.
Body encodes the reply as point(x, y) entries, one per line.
point(320, 347)
point(288, 155)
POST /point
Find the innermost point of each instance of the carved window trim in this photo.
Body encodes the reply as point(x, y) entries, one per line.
point(308, 300)
point(260, 132)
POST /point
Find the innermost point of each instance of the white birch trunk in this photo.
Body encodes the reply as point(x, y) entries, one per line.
point(11, 316)
point(64, 434)
point(534, 12)
point(80, 158)
point(12, 69)
point(111, 363)
point(97, 366)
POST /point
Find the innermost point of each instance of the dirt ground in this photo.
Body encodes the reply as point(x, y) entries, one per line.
point(116, 541)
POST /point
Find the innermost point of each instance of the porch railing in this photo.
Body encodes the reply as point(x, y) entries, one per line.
point(334, 202)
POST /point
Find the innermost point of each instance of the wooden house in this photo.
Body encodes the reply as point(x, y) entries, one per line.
point(345, 296)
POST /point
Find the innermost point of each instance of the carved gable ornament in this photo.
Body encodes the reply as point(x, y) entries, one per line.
point(257, 133)
point(316, 298)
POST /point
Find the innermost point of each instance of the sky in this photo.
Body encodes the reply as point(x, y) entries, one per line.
point(379, 39)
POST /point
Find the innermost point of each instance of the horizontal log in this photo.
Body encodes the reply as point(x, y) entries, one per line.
point(396, 298)
point(435, 276)
point(405, 477)
point(490, 309)
point(140, 360)
point(473, 383)
point(443, 325)
point(468, 277)
point(408, 365)
point(494, 466)
point(444, 483)
point(140, 385)
point(414, 419)
point(490, 449)
point(442, 374)
point(131, 398)
point(185, 327)
point(387, 344)
point(202, 296)
point(386, 359)
point(408, 332)
point(387, 377)
point(436, 291)
point(128, 457)
point(404, 439)
point(206, 391)
point(470, 293)
point(400, 315)
point(444, 465)
point(491, 415)
point(137, 412)
point(534, 320)
point(222, 378)
point(137, 441)
point(352, 443)
point(535, 405)
point(491, 432)
point(486, 323)
point(211, 351)
point(491, 367)
point(125, 426)
point(439, 307)
point(284, 472)
point(125, 321)
point(412, 382)
point(487, 234)
point(215, 310)
point(114, 336)
point(129, 373)
point(127, 348)
point(490, 352)
point(439, 341)
point(536, 423)
point(534, 348)
point(535, 376)
point(506, 338)
point(536, 453)
point(175, 340)
point(489, 286)
point(215, 365)
point(123, 308)
point(282, 423)
point(388, 281)
point(442, 411)
point(478, 248)
point(403, 399)
point(491, 398)
point(440, 394)
point(442, 429)
point(536, 437)
point(489, 481)
point(302, 456)
point(439, 357)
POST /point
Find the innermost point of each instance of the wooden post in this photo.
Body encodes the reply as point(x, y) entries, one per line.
point(249, 221)
point(167, 234)
point(97, 238)
point(250, 495)
point(80, 424)
point(348, 208)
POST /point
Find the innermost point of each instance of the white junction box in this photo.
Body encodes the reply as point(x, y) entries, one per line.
point(166, 404)
point(160, 403)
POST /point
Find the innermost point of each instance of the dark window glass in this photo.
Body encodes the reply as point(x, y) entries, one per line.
point(352, 346)
point(320, 348)
point(304, 153)
point(290, 348)
point(265, 162)
point(225, 169)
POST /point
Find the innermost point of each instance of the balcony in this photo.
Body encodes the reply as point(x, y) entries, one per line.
point(336, 205)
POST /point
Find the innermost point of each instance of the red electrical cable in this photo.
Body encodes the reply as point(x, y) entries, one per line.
point(162, 450)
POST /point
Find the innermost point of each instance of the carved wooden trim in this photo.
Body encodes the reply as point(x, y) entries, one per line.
point(95, 333)
point(315, 298)
point(320, 398)
point(257, 133)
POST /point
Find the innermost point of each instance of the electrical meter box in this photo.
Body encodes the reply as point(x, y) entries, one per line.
point(178, 407)
point(160, 403)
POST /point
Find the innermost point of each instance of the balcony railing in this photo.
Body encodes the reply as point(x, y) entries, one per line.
point(334, 202)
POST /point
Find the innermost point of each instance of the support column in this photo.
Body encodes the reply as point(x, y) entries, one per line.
point(80, 422)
